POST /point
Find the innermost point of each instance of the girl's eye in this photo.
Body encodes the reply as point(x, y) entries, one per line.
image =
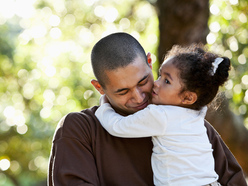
point(167, 81)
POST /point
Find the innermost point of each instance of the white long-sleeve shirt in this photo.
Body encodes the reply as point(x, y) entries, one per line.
point(182, 153)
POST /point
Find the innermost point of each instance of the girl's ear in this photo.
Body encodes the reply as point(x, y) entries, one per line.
point(97, 86)
point(189, 98)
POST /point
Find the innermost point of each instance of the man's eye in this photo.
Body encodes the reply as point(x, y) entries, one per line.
point(123, 93)
point(143, 82)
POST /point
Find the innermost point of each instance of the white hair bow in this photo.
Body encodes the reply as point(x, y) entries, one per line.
point(215, 64)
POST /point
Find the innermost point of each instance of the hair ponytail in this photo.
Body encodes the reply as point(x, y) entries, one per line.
point(221, 74)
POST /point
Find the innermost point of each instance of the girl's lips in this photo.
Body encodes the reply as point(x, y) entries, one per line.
point(154, 93)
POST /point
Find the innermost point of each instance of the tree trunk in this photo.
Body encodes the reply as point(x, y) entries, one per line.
point(182, 22)
point(186, 22)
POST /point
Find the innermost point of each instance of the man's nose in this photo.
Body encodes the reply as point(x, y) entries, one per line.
point(138, 95)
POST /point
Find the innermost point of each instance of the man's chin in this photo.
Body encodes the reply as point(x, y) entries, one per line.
point(132, 110)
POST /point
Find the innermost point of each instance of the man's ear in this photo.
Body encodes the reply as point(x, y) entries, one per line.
point(189, 98)
point(97, 86)
point(149, 59)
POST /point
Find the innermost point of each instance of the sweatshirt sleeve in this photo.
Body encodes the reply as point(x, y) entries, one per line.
point(72, 161)
point(150, 121)
point(226, 166)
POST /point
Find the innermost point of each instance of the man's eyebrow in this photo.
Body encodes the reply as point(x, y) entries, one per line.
point(143, 78)
point(123, 89)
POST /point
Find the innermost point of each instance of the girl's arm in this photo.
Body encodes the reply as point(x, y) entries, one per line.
point(147, 122)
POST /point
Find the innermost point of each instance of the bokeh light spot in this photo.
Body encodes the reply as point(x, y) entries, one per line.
point(237, 89)
point(14, 166)
point(211, 38)
point(65, 72)
point(99, 11)
point(214, 9)
point(88, 94)
point(233, 44)
point(70, 19)
point(111, 14)
point(55, 33)
point(22, 129)
point(242, 18)
point(50, 71)
point(242, 59)
point(124, 23)
point(152, 39)
point(214, 27)
point(244, 79)
point(242, 109)
point(234, 2)
point(246, 97)
point(4, 164)
point(54, 20)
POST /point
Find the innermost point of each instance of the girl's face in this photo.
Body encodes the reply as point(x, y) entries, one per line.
point(167, 87)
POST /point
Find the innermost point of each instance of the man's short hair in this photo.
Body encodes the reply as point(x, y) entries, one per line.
point(114, 51)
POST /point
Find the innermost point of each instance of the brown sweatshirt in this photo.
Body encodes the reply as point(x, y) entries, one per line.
point(84, 154)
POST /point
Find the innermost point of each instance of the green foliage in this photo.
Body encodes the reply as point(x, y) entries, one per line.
point(45, 71)
point(229, 37)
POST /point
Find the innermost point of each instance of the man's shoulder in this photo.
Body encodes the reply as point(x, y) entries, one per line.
point(79, 117)
point(77, 124)
point(213, 135)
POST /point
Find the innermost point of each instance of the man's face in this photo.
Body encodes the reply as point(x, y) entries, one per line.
point(129, 89)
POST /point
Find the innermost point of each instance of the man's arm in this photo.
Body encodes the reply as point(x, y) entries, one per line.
point(229, 171)
point(72, 161)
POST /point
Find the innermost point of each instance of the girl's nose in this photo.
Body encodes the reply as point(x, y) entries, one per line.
point(156, 84)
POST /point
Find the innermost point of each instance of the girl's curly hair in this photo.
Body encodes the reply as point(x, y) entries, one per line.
point(196, 71)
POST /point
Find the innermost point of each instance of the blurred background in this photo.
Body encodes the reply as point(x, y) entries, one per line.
point(45, 68)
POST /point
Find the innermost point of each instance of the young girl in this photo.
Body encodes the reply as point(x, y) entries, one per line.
point(182, 154)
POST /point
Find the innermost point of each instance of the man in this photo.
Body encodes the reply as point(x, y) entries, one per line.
point(83, 153)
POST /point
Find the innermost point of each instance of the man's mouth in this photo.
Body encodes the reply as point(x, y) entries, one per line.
point(142, 106)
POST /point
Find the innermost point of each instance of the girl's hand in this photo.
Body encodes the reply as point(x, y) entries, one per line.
point(103, 99)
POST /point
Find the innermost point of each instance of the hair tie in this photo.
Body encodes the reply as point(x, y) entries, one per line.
point(215, 64)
